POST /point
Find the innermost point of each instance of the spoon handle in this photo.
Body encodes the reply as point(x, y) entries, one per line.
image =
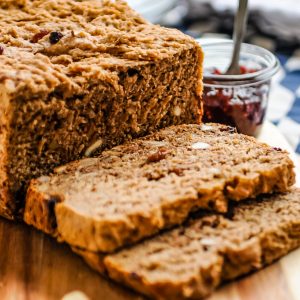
point(238, 35)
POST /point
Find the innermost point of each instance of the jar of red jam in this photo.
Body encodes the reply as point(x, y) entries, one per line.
point(237, 100)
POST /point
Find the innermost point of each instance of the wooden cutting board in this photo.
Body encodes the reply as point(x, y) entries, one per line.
point(33, 266)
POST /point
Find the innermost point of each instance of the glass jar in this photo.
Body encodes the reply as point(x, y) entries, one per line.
point(237, 100)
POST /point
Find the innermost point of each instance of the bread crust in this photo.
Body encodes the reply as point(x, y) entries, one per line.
point(39, 210)
point(7, 205)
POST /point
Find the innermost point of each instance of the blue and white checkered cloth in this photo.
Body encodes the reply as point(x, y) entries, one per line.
point(284, 101)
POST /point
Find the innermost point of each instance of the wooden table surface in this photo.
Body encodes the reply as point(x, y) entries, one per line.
point(34, 266)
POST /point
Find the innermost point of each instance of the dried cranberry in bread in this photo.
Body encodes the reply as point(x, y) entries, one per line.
point(136, 189)
point(80, 76)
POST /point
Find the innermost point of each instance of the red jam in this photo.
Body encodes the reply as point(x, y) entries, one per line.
point(243, 70)
point(235, 104)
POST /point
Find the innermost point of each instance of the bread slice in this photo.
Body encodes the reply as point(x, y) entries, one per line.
point(191, 261)
point(153, 183)
point(80, 76)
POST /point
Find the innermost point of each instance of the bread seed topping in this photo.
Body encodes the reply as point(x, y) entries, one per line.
point(205, 127)
point(93, 148)
point(200, 145)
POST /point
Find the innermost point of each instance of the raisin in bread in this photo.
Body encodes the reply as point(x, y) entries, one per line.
point(191, 261)
point(80, 76)
point(136, 189)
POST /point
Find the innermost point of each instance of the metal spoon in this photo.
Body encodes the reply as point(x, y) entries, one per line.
point(240, 22)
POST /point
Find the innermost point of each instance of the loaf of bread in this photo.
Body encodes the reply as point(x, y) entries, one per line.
point(191, 261)
point(80, 76)
point(136, 189)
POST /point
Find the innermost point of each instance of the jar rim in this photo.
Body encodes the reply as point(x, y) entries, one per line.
point(263, 74)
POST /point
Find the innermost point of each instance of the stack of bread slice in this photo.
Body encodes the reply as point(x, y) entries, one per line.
point(121, 210)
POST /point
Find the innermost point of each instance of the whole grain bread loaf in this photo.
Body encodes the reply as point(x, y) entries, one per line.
point(136, 189)
point(191, 261)
point(80, 76)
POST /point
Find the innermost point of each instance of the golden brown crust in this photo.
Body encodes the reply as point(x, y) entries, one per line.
point(6, 198)
point(97, 37)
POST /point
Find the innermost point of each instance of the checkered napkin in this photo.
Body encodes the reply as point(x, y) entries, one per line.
point(284, 101)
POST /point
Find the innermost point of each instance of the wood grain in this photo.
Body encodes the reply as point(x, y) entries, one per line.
point(35, 267)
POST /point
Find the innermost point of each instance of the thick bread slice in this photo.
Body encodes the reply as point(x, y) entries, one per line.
point(191, 261)
point(153, 183)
